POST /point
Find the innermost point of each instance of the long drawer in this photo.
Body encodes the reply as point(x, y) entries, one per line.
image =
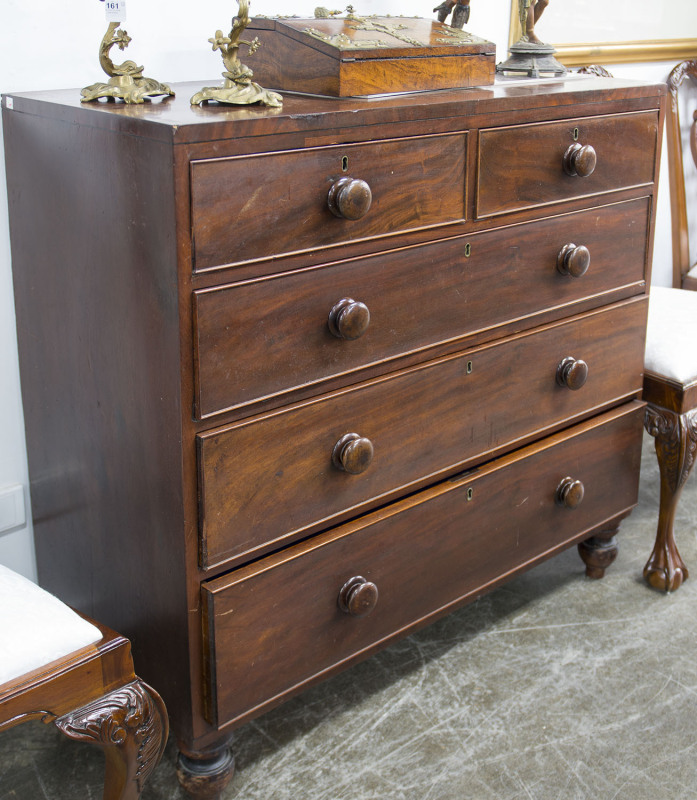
point(327, 322)
point(247, 208)
point(525, 166)
point(275, 626)
point(266, 480)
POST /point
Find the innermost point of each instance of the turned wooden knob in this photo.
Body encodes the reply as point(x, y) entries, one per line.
point(573, 260)
point(580, 159)
point(353, 453)
point(358, 597)
point(349, 198)
point(570, 493)
point(349, 319)
point(572, 373)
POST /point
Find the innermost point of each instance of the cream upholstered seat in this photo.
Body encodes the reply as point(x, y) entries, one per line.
point(36, 627)
point(670, 389)
point(59, 667)
point(671, 334)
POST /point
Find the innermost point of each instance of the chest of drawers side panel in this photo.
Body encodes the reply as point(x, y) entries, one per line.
point(94, 261)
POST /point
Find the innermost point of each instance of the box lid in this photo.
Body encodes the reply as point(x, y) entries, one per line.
point(356, 38)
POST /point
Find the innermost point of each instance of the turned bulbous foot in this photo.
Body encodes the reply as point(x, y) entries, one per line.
point(205, 775)
point(597, 554)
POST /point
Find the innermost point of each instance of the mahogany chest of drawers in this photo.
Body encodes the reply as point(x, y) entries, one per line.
point(297, 381)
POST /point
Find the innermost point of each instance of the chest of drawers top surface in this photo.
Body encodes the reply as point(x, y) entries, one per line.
point(174, 120)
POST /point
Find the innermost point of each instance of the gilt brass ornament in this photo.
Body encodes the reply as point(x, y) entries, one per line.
point(126, 80)
point(239, 88)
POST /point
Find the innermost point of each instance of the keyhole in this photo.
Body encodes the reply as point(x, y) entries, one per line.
point(576, 134)
point(468, 250)
point(344, 164)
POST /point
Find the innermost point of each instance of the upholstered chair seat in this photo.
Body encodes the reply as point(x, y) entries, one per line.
point(61, 668)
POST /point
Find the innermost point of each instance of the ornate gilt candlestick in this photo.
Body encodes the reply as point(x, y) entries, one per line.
point(125, 80)
point(238, 89)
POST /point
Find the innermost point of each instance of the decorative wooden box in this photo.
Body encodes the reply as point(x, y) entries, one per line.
point(368, 55)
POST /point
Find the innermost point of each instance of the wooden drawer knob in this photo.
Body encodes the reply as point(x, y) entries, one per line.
point(572, 373)
point(573, 260)
point(358, 597)
point(580, 159)
point(570, 493)
point(349, 198)
point(349, 319)
point(352, 453)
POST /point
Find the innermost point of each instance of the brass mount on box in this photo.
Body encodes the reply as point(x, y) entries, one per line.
point(239, 88)
point(126, 80)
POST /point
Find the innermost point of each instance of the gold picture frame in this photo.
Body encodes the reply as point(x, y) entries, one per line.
point(582, 54)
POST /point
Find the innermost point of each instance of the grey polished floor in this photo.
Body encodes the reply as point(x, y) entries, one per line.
point(554, 687)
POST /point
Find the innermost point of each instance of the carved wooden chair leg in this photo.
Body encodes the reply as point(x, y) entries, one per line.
point(130, 725)
point(600, 549)
point(204, 775)
point(676, 443)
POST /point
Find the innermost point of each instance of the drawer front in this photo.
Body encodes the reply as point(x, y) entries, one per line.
point(263, 338)
point(274, 626)
point(523, 166)
point(254, 207)
point(266, 480)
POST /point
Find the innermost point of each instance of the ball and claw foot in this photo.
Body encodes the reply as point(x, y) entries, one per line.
point(665, 570)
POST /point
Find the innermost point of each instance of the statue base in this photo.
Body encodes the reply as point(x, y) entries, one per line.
point(531, 59)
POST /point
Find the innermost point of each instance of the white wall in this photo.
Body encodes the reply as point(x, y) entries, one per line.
point(170, 39)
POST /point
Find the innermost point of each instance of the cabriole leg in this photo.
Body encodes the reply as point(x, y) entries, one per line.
point(130, 724)
point(676, 442)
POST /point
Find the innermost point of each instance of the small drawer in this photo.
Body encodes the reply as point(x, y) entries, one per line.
point(275, 626)
point(525, 166)
point(263, 338)
point(248, 208)
point(267, 480)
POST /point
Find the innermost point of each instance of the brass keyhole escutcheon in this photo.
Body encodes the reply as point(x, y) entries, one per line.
point(469, 367)
point(344, 164)
point(470, 494)
point(468, 250)
point(576, 134)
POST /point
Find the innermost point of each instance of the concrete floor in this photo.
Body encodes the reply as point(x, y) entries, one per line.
point(551, 688)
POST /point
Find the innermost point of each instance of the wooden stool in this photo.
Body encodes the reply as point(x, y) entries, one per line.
point(61, 668)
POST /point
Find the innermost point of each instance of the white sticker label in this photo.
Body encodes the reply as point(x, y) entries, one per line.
point(9, 103)
point(115, 10)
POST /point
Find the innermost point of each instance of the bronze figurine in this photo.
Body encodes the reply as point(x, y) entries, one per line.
point(460, 9)
point(530, 55)
point(530, 12)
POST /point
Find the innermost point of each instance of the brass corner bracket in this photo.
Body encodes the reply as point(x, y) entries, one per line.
point(126, 80)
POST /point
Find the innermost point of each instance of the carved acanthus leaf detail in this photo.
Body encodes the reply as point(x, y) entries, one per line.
point(676, 442)
point(126, 717)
